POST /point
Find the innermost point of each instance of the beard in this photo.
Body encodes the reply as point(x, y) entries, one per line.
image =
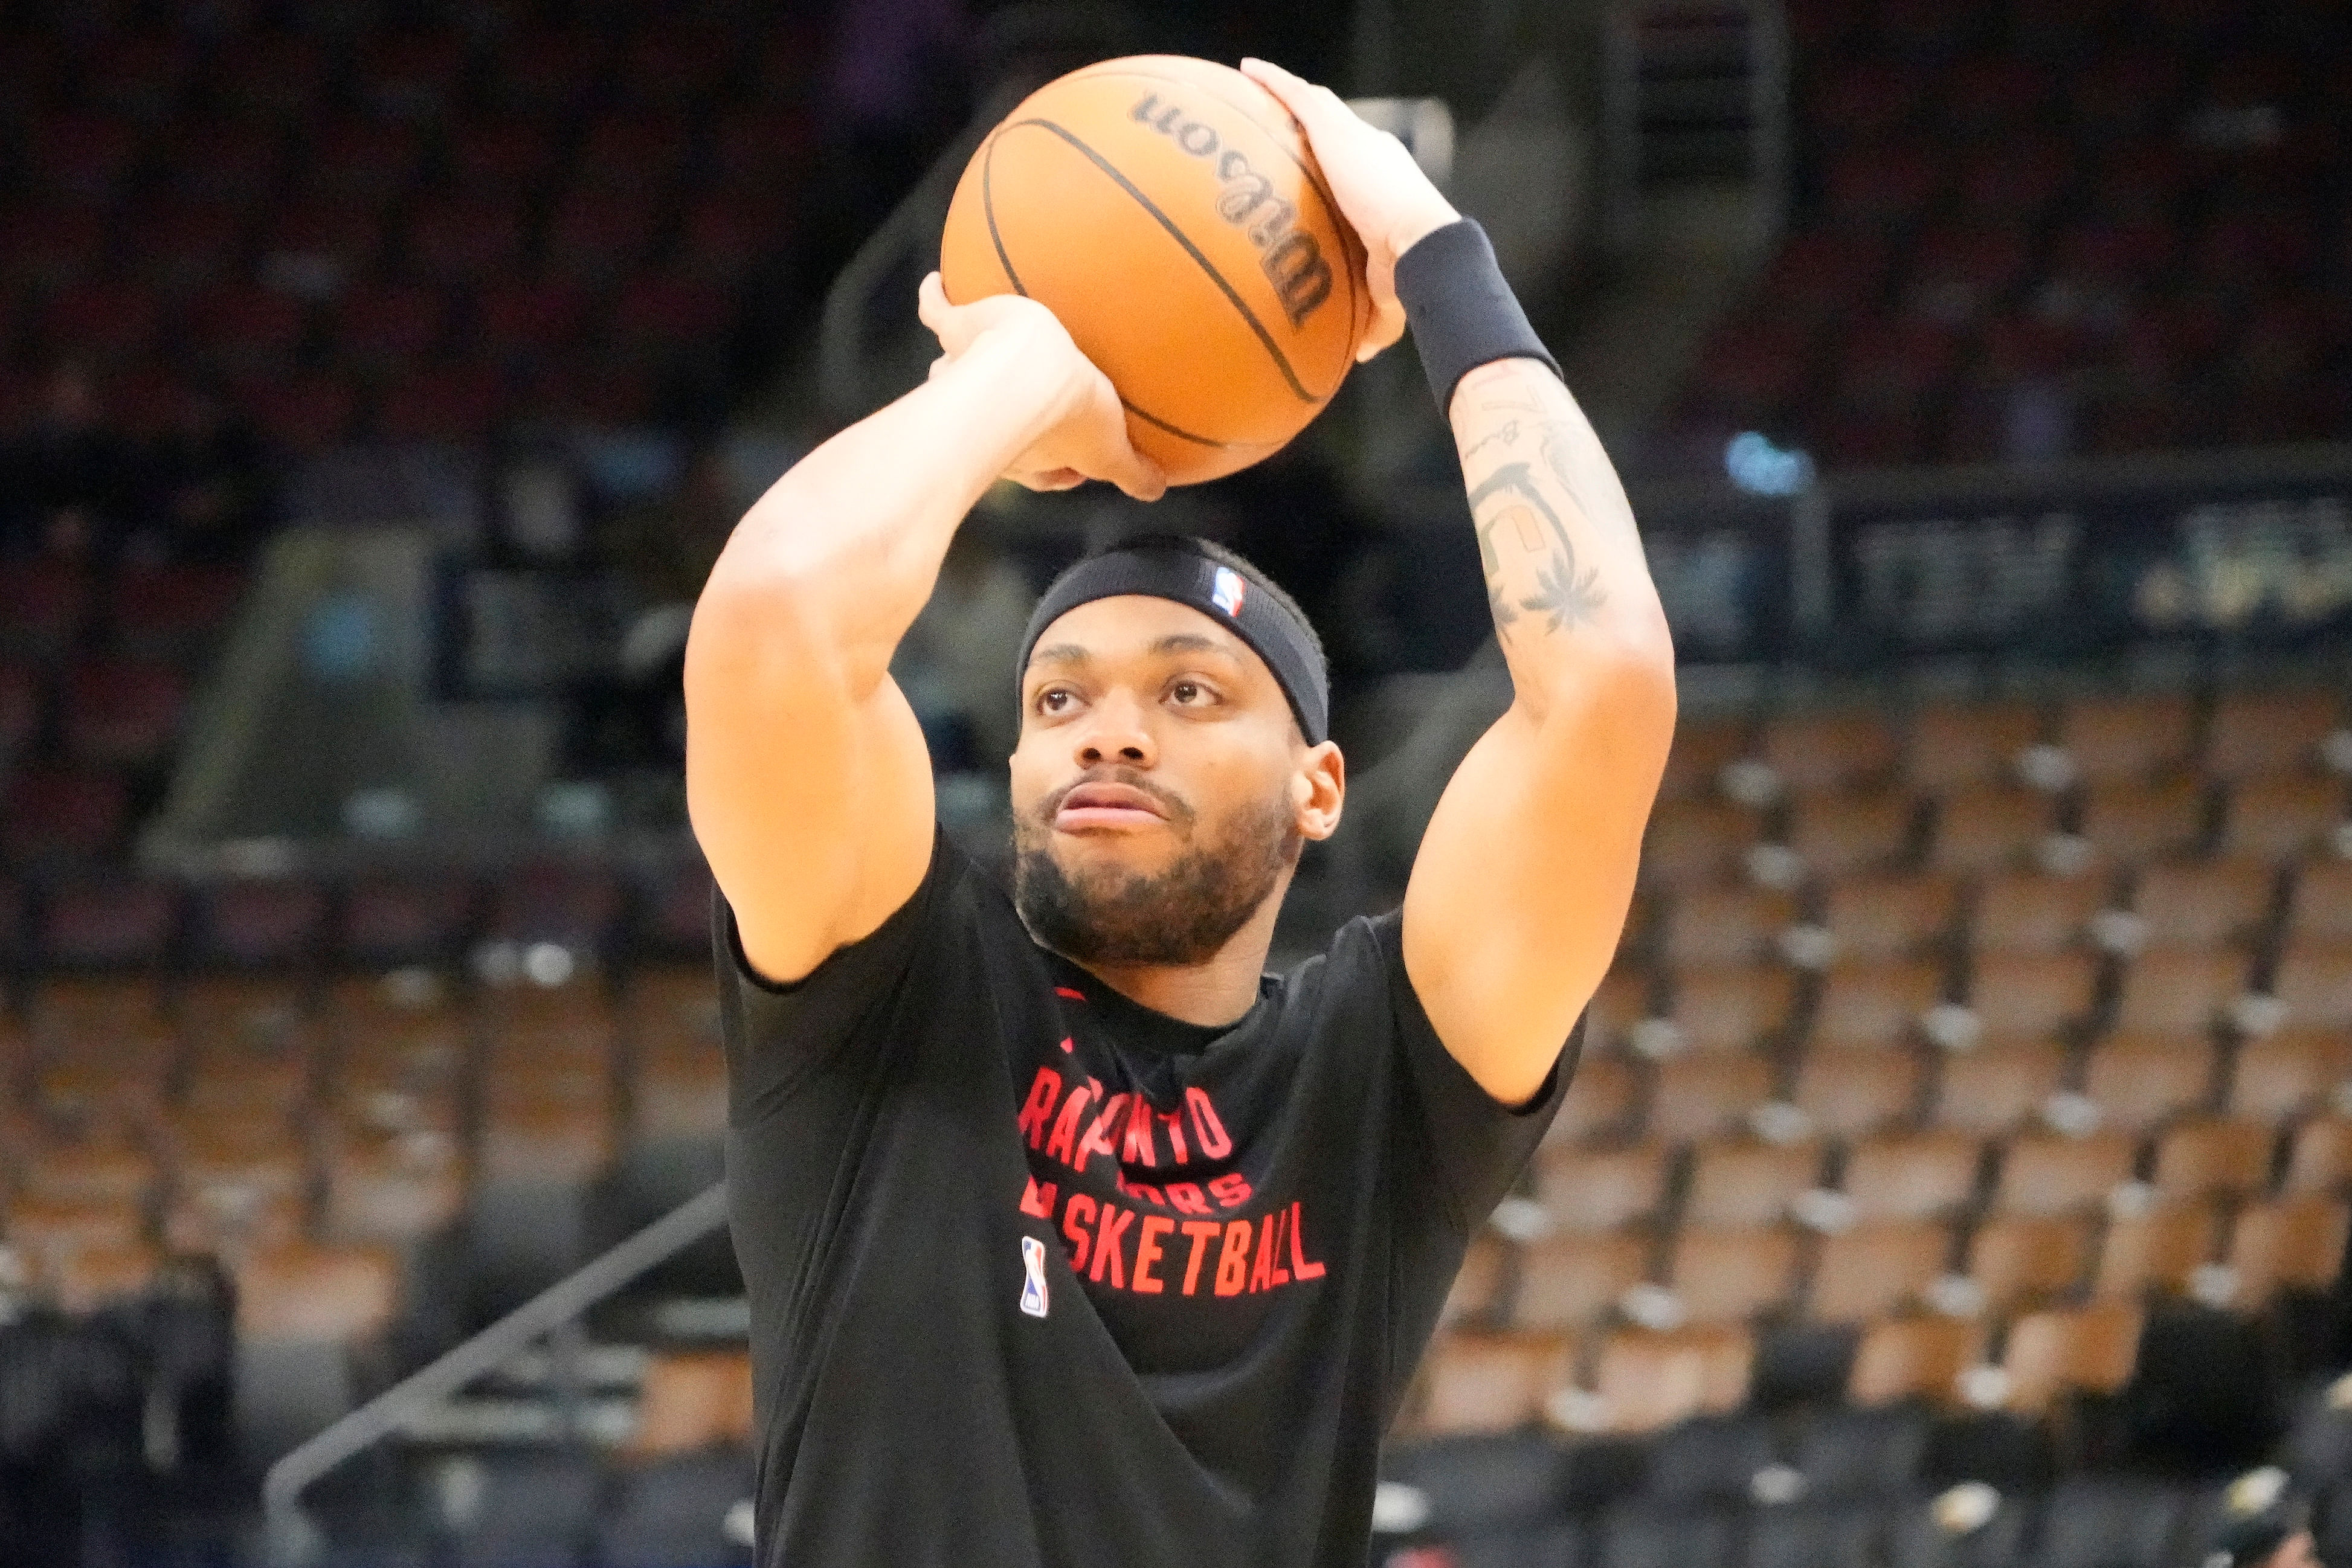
point(1180, 915)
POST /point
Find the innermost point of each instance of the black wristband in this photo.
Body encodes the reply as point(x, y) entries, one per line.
point(1462, 312)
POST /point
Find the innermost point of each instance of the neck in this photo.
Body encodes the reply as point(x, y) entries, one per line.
point(1215, 991)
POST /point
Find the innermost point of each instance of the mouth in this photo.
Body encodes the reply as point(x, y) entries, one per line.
point(1107, 808)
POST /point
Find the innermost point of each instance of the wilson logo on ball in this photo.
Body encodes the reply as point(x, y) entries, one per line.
point(1292, 260)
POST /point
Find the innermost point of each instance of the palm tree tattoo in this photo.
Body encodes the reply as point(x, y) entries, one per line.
point(1523, 525)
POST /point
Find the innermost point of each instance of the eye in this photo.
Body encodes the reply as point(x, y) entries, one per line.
point(1054, 700)
point(1189, 693)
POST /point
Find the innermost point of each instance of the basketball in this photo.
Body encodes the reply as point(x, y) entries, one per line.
point(1170, 212)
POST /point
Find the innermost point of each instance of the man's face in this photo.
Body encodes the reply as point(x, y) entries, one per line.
point(1160, 789)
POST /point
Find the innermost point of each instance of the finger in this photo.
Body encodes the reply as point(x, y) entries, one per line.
point(937, 366)
point(1386, 325)
point(931, 306)
point(1314, 106)
point(1050, 479)
point(1137, 475)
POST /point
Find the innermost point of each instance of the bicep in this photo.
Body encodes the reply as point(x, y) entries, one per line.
point(1522, 879)
point(813, 805)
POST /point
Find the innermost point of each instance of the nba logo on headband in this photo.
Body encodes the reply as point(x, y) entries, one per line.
point(1225, 591)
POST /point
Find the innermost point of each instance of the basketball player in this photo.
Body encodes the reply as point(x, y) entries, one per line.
point(1073, 1239)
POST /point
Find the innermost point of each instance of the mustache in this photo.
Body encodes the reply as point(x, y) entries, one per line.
point(1178, 810)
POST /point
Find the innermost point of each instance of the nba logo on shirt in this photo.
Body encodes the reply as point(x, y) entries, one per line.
point(1033, 1269)
point(1225, 591)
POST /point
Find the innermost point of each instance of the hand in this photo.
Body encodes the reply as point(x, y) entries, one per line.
point(1381, 191)
point(1084, 430)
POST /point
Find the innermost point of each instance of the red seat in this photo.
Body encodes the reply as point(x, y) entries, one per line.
point(659, 314)
point(45, 601)
point(496, 160)
point(2127, 737)
point(52, 244)
point(271, 73)
point(2210, 904)
point(193, 243)
point(2282, 819)
point(1884, 185)
point(532, 318)
point(394, 920)
point(677, 910)
point(245, 327)
point(598, 234)
point(725, 234)
point(1987, 829)
point(2032, 914)
point(459, 403)
point(2314, 979)
point(21, 691)
point(100, 318)
point(63, 813)
point(260, 923)
point(681, 65)
point(2253, 734)
point(109, 923)
point(552, 66)
point(361, 159)
point(553, 901)
point(411, 71)
point(122, 711)
point(641, 150)
point(89, 156)
point(305, 412)
point(1707, 926)
point(169, 612)
point(1961, 274)
point(457, 239)
point(2017, 177)
point(760, 146)
point(233, 162)
point(386, 323)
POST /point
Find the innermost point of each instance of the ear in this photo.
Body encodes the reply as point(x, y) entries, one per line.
point(1318, 789)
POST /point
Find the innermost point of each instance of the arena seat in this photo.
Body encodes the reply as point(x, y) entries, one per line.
point(1901, 1361)
point(1477, 1381)
point(1876, 1269)
point(1696, 841)
point(2117, 738)
point(1733, 1009)
point(1987, 829)
point(1601, 1099)
point(2023, 1258)
point(1649, 1379)
point(2131, 822)
point(2319, 1156)
point(2283, 1075)
point(1853, 1093)
point(2320, 909)
point(674, 1512)
point(2055, 1174)
point(2089, 1349)
point(1915, 1175)
point(1744, 1183)
point(2255, 733)
point(2314, 981)
point(1700, 751)
point(2278, 819)
point(1729, 1275)
point(2199, 1157)
point(1699, 1096)
point(1601, 1189)
point(1953, 746)
point(2289, 1243)
point(2034, 914)
point(1837, 836)
point(2156, 1249)
point(1724, 926)
point(1865, 1004)
point(1889, 917)
point(1991, 1089)
point(1479, 1286)
point(305, 1317)
point(2140, 1080)
point(2031, 996)
point(1572, 1280)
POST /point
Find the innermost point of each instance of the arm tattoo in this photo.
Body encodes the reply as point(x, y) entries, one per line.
point(1523, 525)
point(1508, 435)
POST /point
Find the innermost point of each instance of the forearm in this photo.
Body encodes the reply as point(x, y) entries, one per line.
point(1566, 583)
point(846, 544)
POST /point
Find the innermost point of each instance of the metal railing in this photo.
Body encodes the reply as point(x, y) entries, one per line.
point(294, 1539)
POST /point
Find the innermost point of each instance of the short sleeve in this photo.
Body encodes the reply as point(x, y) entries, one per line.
point(777, 1035)
point(1477, 1144)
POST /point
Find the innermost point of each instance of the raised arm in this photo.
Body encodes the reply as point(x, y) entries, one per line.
point(806, 776)
point(1522, 879)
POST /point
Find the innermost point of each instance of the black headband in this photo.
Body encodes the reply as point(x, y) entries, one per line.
point(1170, 571)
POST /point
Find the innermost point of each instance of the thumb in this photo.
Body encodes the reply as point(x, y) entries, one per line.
point(1136, 474)
point(944, 319)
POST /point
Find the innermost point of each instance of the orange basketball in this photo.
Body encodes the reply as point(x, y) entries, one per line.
point(1168, 211)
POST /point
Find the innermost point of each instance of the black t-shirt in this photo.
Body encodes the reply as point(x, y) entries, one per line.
point(1040, 1277)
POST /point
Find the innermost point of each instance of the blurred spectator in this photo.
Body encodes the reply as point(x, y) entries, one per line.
point(667, 545)
point(206, 488)
point(66, 484)
point(956, 663)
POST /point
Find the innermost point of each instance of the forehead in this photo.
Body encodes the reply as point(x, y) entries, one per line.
point(1132, 626)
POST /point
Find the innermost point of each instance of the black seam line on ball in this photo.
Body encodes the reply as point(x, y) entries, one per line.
point(1330, 207)
point(1281, 363)
point(987, 210)
point(1157, 423)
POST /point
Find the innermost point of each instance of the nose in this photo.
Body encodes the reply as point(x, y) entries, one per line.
point(1114, 732)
